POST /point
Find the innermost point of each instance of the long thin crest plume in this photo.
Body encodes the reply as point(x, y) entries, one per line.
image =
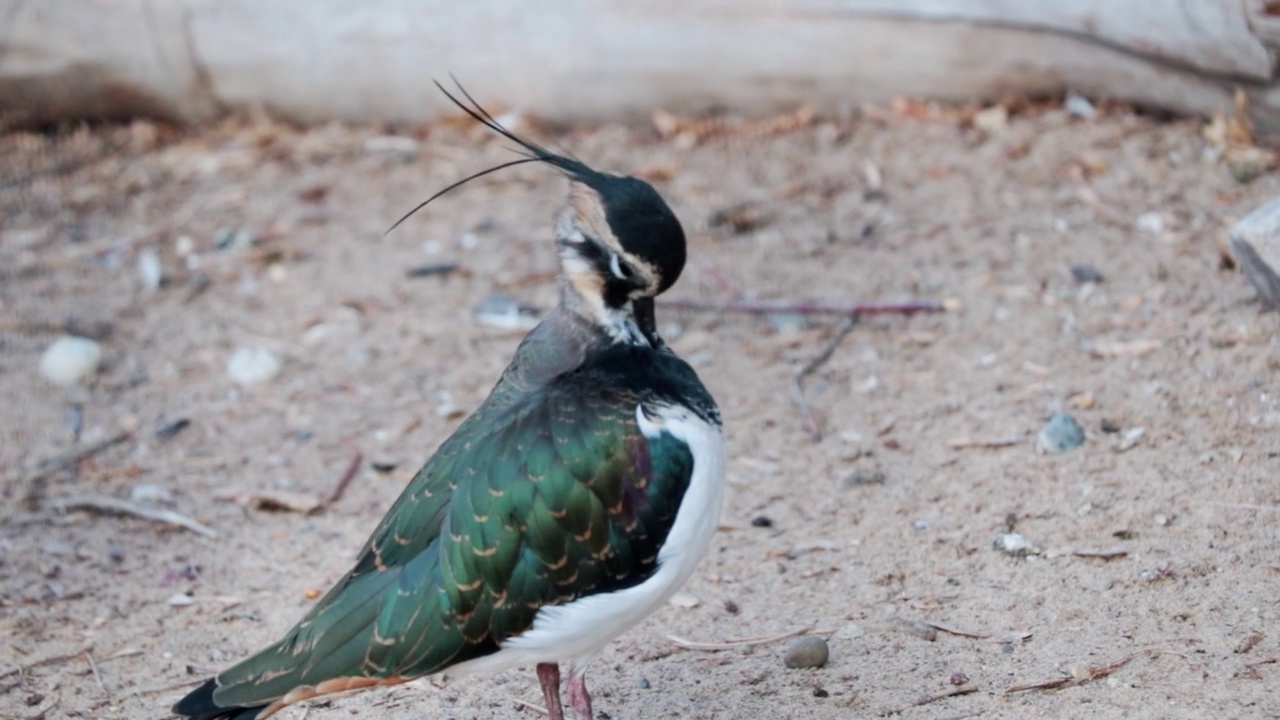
point(533, 151)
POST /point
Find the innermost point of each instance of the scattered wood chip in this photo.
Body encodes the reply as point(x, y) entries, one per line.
point(1248, 643)
point(112, 505)
point(1124, 348)
point(697, 130)
point(279, 500)
point(1105, 554)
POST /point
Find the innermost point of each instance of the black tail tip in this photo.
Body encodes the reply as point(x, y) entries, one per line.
point(200, 705)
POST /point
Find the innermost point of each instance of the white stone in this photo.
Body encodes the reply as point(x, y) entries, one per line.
point(249, 366)
point(70, 359)
point(150, 270)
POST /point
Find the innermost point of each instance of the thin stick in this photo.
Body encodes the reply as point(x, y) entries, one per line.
point(34, 484)
point(810, 307)
point(51, 660)
point(112, 505)
point(927, 699)
point(167, 688)
point(811, 425)
point(345, 479)
point(1092, 672)
point(530, 706)
point(93, 668)
point(743, 642)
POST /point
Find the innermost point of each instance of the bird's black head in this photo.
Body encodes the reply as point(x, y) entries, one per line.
point(618, 239)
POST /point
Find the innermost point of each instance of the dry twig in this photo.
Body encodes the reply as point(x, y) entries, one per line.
point(1083, 674)
point(345, 479)
point(34, 484)
point(112, 505)
point(813, 307)
point(51, 660)
point(927, 699)
point(797, 383)
point(743, 642)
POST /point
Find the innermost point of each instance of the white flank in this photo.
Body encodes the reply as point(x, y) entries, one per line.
point(574, 632)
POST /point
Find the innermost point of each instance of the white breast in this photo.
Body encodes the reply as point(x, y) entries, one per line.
point(573, 632)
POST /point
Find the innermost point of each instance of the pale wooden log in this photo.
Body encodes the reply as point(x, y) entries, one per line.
point(594, 60)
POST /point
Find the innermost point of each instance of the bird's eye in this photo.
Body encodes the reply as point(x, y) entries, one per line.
point(620, 271)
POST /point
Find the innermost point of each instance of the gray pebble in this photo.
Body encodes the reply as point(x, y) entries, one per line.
point(864, 476)
point(808, 651)
point(1062, 433)
point(1255, 244)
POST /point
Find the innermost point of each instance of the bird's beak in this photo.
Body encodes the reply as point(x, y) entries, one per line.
point(642, 311)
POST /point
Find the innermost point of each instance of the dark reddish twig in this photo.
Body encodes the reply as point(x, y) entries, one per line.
point(347, 475)
point(810, 307)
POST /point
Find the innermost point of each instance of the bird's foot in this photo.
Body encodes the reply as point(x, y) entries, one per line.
point(579, 698)
point(549, 678)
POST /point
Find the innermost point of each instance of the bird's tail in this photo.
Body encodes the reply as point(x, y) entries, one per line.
point(200, 705)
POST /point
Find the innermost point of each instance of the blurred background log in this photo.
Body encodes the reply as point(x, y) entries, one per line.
point(315, 61)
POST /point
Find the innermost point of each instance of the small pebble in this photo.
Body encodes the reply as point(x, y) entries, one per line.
point(232, 238)
point(180, 600)
point(1079, 106)
point(172, 428)
point(864, 476)
point(1015, 545)
point(1060, 434)
point(1086, 274)
point(643, 683)
point(1129, 439)
point(731, 607)
point(441, 269)
point(1151, 223)
point(1110, 426)
point(785, 323)
point(959, 678)
point(70, 359)
point(249, 366)
point(807, 651)
point(149, 269)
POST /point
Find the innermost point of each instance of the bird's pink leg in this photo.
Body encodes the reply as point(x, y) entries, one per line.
point(579, 698)
point(549, 678)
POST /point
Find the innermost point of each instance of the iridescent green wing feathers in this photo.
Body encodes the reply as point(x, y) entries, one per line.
point(554, 496)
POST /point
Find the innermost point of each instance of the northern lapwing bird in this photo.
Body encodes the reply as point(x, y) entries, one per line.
point(571, 505)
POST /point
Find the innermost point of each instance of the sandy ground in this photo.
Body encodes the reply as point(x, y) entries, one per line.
point(1166, 555)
